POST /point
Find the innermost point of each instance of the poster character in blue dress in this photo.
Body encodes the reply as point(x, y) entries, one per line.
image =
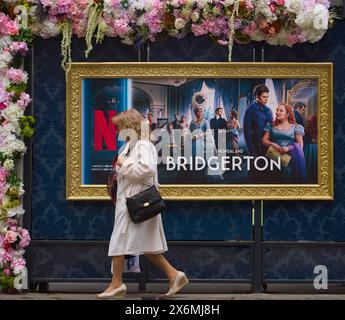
point(200, 126)
point(203, 144)
point(286, 137)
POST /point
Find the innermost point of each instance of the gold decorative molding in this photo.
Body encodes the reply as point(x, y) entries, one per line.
point(321, 72)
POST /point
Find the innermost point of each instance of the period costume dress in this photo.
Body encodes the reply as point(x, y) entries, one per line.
point(295, 172)
point(232, 133)
point(310, 148)
point(137, 173)
point(198, 149)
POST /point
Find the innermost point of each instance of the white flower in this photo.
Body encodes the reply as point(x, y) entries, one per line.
point(15, 212)
point(21, 190)
point(262, 9)
point(5, 198)
point(107, 6)
point(137, 4)
point(12, 112)
point(11, 144)
point(5, 81)
point(229, 2)
point(3, 227)
point(180, 23)
point(8, 164)
point(201, 3)
point(313, 22)
point(175, 3)
point(5, 59)
point(141, 21)
point(195, 16)
point(294, 6)
point(46, 29)
point(9, 128)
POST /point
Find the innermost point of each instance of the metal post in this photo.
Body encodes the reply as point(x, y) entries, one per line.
point(257, 223)
point(27, 171)
point(142, 277)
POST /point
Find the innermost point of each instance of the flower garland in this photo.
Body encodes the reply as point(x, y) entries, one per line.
point(14, 126)
point(278, 22)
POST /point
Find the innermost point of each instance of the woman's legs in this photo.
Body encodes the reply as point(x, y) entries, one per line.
point(116, 280)
point(162, 263)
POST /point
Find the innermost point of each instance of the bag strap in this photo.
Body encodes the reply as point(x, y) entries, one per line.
point(123, 180)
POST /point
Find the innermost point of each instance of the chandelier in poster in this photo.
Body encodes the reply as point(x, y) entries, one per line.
point(221, 130)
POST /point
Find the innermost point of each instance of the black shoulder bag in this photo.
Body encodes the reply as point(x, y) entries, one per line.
point(145, 205)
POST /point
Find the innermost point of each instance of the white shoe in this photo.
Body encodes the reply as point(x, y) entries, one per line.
point(180, 281)
point(119, 292)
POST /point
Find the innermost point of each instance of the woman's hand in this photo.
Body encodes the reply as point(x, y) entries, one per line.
point(284, 150)
point(276, 146)
point(120, 160)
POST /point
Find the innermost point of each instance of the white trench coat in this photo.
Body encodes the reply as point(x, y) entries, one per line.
point(137, 173)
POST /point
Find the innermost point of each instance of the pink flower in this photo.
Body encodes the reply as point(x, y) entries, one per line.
point(199, 30)
point(273, 7)
point(153, 20)
point(121, 27)
point(223, 42)
point(12, 28)
point(25, 238)
point(11, 236)
point(3, 175)
point(19, 47)
point(24, 100)
point(18, 264)
point(250, 28)
point(7, 26)
point(7, 272)
point(296, 38)
point(11, 222)
point(2, 190)
point(63, 6)
point(249, 4)
point(293, 39)
point(4, 95)
point(16, 75)
point(280, 2)
point(238, 24)
point(47, 3)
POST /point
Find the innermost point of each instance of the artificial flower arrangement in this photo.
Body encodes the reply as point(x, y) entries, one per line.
point(278, 22)
point(14, 126)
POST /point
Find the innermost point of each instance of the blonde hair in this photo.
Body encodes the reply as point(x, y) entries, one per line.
point(129, 119)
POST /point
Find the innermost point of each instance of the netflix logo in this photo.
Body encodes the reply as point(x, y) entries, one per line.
point(104, 131)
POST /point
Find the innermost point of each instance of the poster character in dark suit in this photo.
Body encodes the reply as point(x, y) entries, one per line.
point(299, 111)
point(256, 116)
point(217, 123)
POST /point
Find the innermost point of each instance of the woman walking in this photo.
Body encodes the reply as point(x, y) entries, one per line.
point(136, 169)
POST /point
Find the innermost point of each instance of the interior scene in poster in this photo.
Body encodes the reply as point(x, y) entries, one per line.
point(208, 131)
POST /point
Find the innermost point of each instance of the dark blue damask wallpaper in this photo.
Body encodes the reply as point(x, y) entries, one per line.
point(55, 218)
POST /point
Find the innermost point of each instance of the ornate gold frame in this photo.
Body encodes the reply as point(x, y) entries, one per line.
point(323, 72)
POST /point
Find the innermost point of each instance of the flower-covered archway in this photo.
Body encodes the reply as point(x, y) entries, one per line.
point(135, 22)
